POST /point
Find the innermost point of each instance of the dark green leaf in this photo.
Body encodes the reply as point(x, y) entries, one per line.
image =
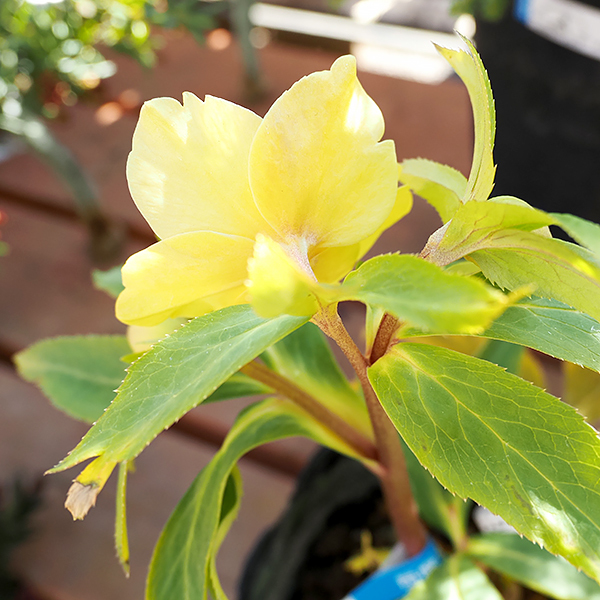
point(548, 326)
point(437, 506)
point(503, 354)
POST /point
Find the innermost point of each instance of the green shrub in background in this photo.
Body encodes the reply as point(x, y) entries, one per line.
point(52, 53)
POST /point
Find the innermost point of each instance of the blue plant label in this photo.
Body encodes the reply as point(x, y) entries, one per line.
point(570, 23)
point(395, 582)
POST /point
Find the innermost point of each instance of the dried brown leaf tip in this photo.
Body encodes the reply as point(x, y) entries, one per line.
point(80, 498)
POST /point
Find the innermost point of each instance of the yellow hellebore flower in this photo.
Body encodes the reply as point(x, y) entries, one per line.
point(209, 177)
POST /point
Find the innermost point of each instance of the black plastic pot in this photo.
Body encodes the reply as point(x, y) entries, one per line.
point(303, 556)
point(548, 117)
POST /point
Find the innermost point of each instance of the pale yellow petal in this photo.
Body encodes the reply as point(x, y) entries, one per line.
point(332, 264)
point(188, 169)
point(185, 275)
point(402, 206)
point(316, 169)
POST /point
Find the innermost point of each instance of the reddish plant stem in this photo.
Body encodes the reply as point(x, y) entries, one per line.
point(355, 439)
point(383, 338)
point(395, 483)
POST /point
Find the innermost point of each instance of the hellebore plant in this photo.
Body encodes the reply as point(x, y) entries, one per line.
point(258, 220)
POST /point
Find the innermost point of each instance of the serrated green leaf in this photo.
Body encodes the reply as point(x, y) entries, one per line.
point(305, 358)
point(491, 436)
point(456, 579)
point(548, 326)
point(181, 564)
point(583, 232)
point(470, 69)
point(424, 295)
point(175, 376)
point(108, 281)
point(532, 566)
point(559, 270)
point(441, 185)
point(474, 222)
point(79, 374)
point(437, 506)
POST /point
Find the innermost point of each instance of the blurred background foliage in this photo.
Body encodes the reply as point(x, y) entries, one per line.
point(51, 53)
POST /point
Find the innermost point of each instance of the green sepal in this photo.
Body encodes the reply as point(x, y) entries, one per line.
point(109, 281)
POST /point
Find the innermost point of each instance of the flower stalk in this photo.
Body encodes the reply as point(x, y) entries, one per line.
point(358, 442)
point(394, 479)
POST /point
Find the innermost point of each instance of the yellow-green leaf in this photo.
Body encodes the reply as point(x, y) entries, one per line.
point(183, 561)
point(176, 375)
point(442, 186)
point(475, 222)
point(493, 437)
point(456, 579)
point(422, 294)
point(470, 69)
point(558, 270)
point(532, 566)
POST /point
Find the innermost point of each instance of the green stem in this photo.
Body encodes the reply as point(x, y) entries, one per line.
point(395, 482)
point(356, 440)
